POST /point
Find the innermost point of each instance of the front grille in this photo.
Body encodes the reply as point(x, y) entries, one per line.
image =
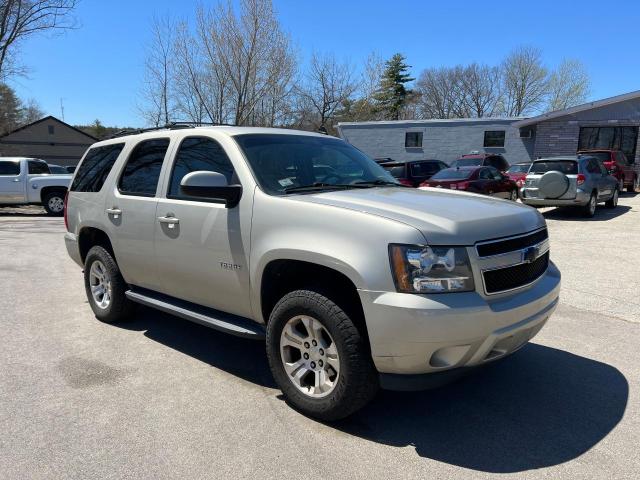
point(512, 244)
point(515, 276)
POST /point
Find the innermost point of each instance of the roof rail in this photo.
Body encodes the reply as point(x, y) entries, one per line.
point(168, 126)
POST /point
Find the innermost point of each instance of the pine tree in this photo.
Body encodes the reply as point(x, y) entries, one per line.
point(392, 94)
point(10, 109)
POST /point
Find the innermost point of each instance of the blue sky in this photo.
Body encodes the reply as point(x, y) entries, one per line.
point(97, 69)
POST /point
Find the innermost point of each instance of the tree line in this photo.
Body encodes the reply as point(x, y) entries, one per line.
point(237, 65)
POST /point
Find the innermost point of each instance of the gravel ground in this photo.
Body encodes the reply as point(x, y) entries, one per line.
point(160, 397)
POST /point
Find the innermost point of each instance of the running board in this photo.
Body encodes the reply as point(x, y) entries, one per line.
point(225, 322)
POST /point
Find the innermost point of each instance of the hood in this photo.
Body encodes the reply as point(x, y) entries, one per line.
point(444, 217)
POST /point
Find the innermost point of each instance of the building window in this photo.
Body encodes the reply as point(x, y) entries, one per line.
point(51, 129)
point(494, 138)
point(413, 140)
point(618, 138)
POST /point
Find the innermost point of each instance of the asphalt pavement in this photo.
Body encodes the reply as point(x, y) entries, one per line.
point(162, 398)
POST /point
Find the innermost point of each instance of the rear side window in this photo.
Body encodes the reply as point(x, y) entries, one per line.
point(142, 171)
point(424, 169)
point(198, 153)
point(37, 168)
point(9, 168)
point(95, 168)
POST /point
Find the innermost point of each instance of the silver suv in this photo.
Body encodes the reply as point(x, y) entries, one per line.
point(355, 281)
point(581, 182)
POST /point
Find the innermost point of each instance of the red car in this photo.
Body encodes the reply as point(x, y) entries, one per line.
point(518, 173)
point(618, 165)
point(484, 180)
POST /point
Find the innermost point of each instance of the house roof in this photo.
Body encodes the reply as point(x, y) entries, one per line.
point(579, 108)
point(434, 120)
point(44, 119)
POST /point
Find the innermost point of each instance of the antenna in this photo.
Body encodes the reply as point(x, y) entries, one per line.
point(62, 108)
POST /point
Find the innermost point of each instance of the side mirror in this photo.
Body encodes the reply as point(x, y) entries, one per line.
point(212, 187)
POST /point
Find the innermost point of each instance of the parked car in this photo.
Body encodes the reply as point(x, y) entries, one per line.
point(518, 173)
point(383, 160)
point(355, 281)
point(28, 181)
point(414, 172)
point(57, 169)
point(482, 160)
point(70, 168)
point(579, 182)
point(623, 169)
point(484, 180)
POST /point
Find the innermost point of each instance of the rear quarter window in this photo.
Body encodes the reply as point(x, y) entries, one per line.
point(95, 168)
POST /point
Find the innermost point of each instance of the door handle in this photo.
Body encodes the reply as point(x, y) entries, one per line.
point(116, 212)
point(170, 221)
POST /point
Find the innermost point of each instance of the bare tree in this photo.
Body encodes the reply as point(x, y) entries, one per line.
point(525, 81)
point(20, 19)
point(569, 85)
point(159, 70)
point(481, 89)
point(31, 111)
point(441, 93)
point(254, 53)
point(326, 86)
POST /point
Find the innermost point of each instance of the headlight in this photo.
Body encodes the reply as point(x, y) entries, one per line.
point(420, 269)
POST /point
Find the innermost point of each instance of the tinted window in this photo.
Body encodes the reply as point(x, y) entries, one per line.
point(37, 168)
point(519, 168)
point(497, 162)
point(9, 168)
point(57, 169)
point(280, 162)
point(424, 169)
point(603, 156)
point(413, 139)
point(485, 174)
point(198, 153)
point(569, 167)
point(141, 173)
point(397, 170)
point(95, 168)
point(453, 174)
point(494, 138)
point(495, 173)
point(592, 166)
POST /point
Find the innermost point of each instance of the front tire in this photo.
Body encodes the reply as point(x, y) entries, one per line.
point(105, 287)
point(53, 203)
point(318, 356)
point(633, 186)
point(513, 196)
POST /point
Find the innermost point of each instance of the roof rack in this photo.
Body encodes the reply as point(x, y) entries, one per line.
point(168, 126)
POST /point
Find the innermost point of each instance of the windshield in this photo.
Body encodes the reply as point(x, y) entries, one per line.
point(519, 168)
point(468, 162)
point(283, 162)
point(453, 174)
point(565, 166)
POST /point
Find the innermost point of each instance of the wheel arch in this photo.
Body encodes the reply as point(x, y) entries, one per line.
point(51, 189)
point(91, 236)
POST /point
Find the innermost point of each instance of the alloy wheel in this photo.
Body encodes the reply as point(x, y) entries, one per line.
point(309, 356)
point(592, 205)
point(56, 204)
point(100, 284)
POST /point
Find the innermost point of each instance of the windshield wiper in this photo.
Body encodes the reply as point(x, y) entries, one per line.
point(379, 182)
point(322, 186)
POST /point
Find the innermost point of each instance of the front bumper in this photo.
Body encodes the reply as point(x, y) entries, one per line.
point(418, 334)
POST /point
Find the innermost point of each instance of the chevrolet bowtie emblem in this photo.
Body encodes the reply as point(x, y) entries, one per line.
point(530, 254)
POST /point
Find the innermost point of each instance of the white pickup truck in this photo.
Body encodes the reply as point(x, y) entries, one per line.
point(28, 181)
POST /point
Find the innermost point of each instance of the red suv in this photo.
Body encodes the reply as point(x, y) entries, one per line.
point(618, 165)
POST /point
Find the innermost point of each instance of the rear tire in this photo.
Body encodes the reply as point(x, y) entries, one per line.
point(105, 287)
point(53, 203)
point(349, 380)
point(589, 210)
point(633, 187)
point(613, 201)
point(513, 195)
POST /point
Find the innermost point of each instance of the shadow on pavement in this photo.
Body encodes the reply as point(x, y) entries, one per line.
point(241, 357)
point(538, 408)
point(28, 211)
point(603, 214)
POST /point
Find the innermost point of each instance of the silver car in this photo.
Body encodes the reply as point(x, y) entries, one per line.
point(581, 182)
point(354, 281)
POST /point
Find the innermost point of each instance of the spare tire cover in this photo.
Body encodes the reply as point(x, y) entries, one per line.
point(553, 184)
